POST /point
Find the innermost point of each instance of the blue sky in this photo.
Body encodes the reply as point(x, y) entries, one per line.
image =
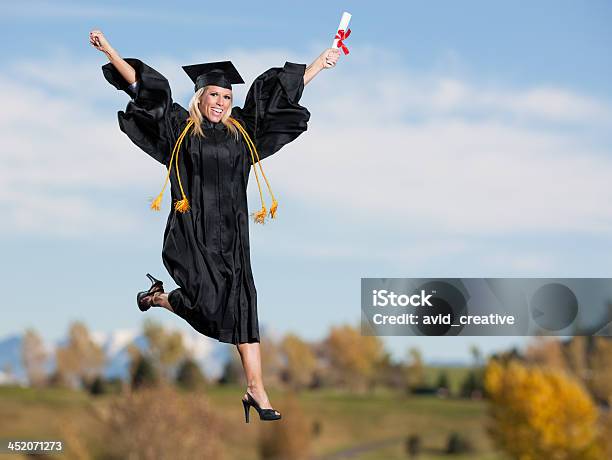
point(457, 139)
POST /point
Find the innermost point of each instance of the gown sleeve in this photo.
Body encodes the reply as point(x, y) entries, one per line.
point(151, 120)
point(272, 113)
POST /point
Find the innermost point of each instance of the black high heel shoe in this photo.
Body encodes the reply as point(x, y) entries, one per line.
point(264, 414)
point(141, 297)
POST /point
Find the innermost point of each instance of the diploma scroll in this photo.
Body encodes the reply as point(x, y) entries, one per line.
point(344, 23)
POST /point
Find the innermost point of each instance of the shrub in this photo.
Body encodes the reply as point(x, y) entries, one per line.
point(160, 423)
point(189, 375)
point(413, 445)
point(145, 373)
point(459, 444)
point(289, 438)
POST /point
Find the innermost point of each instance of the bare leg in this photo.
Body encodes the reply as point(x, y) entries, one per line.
point(251, 361)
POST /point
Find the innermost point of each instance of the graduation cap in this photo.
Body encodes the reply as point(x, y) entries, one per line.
point(222, 74)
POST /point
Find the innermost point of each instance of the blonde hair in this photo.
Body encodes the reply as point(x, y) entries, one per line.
point(196, 116)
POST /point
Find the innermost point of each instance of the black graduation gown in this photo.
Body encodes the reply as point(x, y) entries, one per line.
point(206, 250)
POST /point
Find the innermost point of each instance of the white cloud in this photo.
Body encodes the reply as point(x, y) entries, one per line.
point(457, 176)
point(400, 93)
point(416, 151)
point(545, 103)
point(57, 152)
point(430, 152)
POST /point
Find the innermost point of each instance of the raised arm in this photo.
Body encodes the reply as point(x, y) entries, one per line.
point(151, 119)
point(326, 60)
point(99, 42)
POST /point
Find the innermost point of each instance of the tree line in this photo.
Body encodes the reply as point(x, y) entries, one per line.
point(344, 359)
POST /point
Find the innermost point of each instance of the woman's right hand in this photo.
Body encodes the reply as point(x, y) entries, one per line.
point(99, 42)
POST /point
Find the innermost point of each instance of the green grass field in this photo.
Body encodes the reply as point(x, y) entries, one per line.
point(347, 421)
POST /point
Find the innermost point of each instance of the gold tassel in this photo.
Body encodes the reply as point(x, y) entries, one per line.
point(182, 205)
point(156, 203)
point(260, 216)
point(273, 209)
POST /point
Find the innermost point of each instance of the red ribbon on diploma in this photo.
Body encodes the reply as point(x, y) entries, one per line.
point(340, 35)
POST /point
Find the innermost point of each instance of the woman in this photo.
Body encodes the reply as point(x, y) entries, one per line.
point(210, 148)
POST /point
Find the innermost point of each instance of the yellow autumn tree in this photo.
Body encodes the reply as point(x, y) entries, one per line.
point(577, 353)
point(414, 371)
point(166, 347)
point(546, 352)
point(81, 359)
point(34, 356)
point(301, 361)
point(540, 413)
point(353, 358)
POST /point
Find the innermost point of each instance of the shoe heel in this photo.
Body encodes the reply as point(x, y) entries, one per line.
point(247, 408)
point(152, 279)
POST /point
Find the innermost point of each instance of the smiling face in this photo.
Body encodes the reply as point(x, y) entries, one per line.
point(215, 102)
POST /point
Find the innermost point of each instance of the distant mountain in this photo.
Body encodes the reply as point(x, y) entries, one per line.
point(10, 358)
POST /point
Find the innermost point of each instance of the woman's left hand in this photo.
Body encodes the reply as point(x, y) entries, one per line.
point(329, 57)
